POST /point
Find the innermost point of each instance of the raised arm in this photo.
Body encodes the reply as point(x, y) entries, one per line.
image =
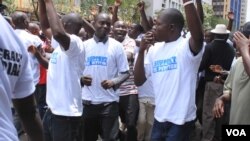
point(115, 12)
point(200, 10)
point(144, 21)
point(88, 27)
point(44, 20)
point(195, 27)
point(56, 26)
point(230, 17)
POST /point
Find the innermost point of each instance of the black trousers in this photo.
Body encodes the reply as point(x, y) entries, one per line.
point(101, 119)
point(40, 95)
point(128, 111)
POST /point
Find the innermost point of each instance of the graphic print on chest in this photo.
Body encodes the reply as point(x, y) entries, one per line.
point(97, 61)
point(53, 58)
point(165, 64)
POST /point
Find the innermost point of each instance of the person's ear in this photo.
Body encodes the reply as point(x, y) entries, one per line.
point(171, 26)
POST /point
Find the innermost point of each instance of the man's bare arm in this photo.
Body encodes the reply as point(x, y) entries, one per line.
point(195, 27)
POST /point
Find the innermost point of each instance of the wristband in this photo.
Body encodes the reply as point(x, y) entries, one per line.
point(187, 3)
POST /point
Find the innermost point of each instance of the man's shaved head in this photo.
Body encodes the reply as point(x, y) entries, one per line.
point(72, 23)
point(20, 20)
point(173, 16)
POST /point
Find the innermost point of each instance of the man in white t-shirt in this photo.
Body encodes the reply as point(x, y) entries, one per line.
point(62, 121)
point(174, 63)
point(16, 83)
point(106, 67)
point(21, 22)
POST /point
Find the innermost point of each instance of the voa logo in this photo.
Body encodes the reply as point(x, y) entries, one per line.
point(236, 132)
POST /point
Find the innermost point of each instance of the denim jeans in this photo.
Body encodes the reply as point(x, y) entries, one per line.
point(61, 128)
point(167, 131)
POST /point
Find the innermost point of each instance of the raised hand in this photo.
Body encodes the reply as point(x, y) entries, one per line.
point(230, 16)
point(141, 5)
point(118, 2)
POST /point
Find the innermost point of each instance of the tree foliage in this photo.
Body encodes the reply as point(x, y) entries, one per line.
point(210, 20)
point(11, 7)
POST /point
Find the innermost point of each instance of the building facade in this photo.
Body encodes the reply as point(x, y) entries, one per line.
point(218, 7)
point(155, 6)
point(243, 12)
point(235, 6)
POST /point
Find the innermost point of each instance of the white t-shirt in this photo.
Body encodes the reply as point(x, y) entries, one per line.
point(173, 69)
point(63, 79)
point(29, 39)
point(146, 90)
point(54, 43)
point(16, 80)
point(103, 62)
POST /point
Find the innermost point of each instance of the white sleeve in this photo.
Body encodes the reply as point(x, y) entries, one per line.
point(188, 55)
point(148, 63)
point(75, 46)
point(121, 59)
point(37, 41)
point(24, 85)
point(54, 43)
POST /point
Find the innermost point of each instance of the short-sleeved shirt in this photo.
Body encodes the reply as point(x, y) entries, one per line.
point(16, 79)
point(146, 90)
point(103, 61)
point(173, 71)
point(29, 39)
point(63, 79)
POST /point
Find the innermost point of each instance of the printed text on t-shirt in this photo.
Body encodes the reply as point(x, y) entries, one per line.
point(53, 58)
point(97, 60)
point(165, 65)
point(11, 61)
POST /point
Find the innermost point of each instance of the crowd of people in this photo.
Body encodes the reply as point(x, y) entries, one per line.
point(65, 78)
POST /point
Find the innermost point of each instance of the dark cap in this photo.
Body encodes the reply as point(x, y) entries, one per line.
point(246, 29)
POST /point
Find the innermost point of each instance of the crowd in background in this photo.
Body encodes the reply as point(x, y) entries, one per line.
point(71, 79)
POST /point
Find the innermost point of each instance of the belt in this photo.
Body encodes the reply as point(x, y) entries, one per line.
point(65, 117)
point(88, 103)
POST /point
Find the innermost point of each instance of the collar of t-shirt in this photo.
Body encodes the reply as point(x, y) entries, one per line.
point(104, 40)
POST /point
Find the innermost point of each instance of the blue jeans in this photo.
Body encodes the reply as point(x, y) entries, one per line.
point(61, 128)
point(167, 131)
